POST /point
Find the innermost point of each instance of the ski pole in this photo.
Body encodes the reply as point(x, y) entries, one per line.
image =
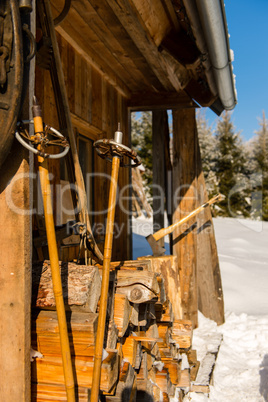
point(112, 150)
point(54, 259)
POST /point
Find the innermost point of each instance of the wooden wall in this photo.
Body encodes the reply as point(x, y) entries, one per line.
point(96, 108)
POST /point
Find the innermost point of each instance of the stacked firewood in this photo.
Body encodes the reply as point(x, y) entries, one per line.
point(147, 352)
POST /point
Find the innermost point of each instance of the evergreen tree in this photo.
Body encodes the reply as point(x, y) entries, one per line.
point(230, 170)
point(141, 129)
point(260, 153)
point(209, 152)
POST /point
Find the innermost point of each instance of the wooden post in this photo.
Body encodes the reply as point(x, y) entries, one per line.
point(185, 201)
point(16, 259)
point(210, 295)
point(15, 277)
point(158, 170)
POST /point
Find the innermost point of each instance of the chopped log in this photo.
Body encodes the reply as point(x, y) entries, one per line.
point(145, 278)
point(126, 388)
point(174, 369)
point(152, 331)
point(138, 356)
point(184, 381)
point(194, 364)
point(182, 333)
point(144, 390)
point(143, 370)
point(143, 314)
point(138, 285)
point(162, 379)
point(194, 370)
point(112, 336)
point(137, 293)
point(129, 348)
point(162, 294)
point(122, 313)
point(157, 393)
point(81, 286)
point(82, 330)
point(164, 334)
point(168, 267)
point(57, 393)
point(134, 317)
point(164, 313)
point(49, 370)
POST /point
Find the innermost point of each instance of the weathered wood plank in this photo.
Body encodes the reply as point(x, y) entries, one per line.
point(185, 187)
point(96, 98)
point(158, 129)
point(73, 34)
point(168, 267)
point(138, 187)
point(102, 33)
point(15, 276)
point(205, 371)
point(210, 293)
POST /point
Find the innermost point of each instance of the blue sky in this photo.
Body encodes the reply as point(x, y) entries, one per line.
point(248, 29)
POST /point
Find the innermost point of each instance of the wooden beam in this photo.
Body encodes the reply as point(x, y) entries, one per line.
point(185, 197)
point(15, 277)
point(160, 101)
point(154, 18)
point(16, 258)
point(129, 52)
point(158, 170)
point(130, 19)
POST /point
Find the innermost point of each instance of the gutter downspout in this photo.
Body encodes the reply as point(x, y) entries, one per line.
point(208, 19)
point(212, 16)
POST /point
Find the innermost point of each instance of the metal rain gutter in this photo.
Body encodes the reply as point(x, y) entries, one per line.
point(213, 21)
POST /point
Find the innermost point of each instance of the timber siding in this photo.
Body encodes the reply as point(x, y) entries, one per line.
point(96, 108)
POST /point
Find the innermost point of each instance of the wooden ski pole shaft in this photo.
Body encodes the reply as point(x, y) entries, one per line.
point(105, 276)
point(165, 231)
point(54, 261)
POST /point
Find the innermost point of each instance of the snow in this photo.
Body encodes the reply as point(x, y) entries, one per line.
point(241, 369)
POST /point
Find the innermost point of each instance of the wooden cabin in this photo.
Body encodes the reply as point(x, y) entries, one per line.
point(112, 58)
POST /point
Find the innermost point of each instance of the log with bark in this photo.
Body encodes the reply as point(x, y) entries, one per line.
point(81, 286)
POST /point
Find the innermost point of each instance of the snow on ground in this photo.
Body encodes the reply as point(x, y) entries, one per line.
point(241, 370)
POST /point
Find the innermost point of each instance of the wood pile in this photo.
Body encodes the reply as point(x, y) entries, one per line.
point(147, 351)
